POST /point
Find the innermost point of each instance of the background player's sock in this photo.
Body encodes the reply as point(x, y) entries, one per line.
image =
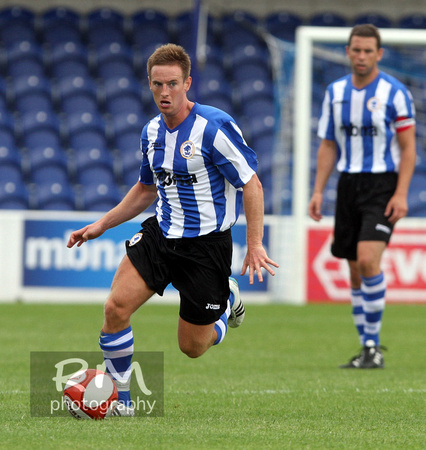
point(358, 313)
point(117, 349)
point(221, 325)
point(373, 292)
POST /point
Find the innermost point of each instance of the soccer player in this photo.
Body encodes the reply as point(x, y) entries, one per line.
point(368, 125)
point(197, 163)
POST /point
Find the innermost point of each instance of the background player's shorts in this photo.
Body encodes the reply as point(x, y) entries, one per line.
point(360, 207)
point(197, 267)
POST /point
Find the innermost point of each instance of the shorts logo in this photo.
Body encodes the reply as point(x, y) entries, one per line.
point(135, 239)
point(374, 104)
point(212, 306)
point(187, 149)
point(384, 228)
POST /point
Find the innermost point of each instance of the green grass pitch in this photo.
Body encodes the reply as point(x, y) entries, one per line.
point(273, 383)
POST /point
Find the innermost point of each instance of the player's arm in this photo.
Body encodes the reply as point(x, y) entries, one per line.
point(256, 256)
point(397, 207)
point(139, 198)
point(326, 160)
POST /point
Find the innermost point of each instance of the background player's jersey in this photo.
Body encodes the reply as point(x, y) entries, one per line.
point(364, 123)
point(199, 169)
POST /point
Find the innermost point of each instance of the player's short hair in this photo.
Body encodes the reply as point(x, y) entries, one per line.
point(366, 30)
point(170, 54)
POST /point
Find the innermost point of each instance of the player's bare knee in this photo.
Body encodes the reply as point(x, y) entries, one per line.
point(191, 349)
point(115, 312)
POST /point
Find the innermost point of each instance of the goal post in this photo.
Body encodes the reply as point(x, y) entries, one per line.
point(306, 37)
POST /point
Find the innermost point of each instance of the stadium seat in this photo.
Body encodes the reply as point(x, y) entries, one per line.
point(130, 166)
point(94, 165)
point(60, 25)
point(7, 129)
point(25, 58)
point(250, 62)
point(149, 27)
point(86, 131)
point(11, 167)
point(17, 24)
point(213, 89)
point(32, 93)
point(283, 24)
point(40, 129)
point(48, 164)
point(100, 197)
point(77, 95)
point(55, 196)
point(68, 59)
point(104, 25)
point(328, 19)
point(239, 28)
point(113, 60)
point(183, 31)
point(379, 20)
point(417, 196)
point(123, 95)
point(413, 21)
point(126, 130)
point(13, 195)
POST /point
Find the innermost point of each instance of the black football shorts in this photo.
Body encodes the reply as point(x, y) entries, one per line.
point(198, 268)
point(360, 207)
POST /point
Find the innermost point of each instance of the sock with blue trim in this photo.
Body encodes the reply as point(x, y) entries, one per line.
point(373, 293)
point(117, 349)
point(221, 325)
point(358, 313)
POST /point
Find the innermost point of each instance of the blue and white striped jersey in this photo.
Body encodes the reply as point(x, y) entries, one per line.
point(199, 169)
point(364, 123)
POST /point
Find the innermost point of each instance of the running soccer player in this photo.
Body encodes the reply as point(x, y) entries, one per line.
point(368, 125)
point(197, 163)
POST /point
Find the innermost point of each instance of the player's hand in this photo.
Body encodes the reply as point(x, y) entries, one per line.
point(314, 207)
point(85, 234)
point(397, 208)
point(255, 259)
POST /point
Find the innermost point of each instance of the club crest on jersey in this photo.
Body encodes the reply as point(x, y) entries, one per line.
point(187, 149)
point(135, 239)
point(374, 104)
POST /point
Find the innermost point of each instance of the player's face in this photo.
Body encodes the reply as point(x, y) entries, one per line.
point(363, 55)
point(169, 90)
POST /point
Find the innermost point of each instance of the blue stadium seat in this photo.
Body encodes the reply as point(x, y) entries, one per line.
point(283, 24)
point(126, 131)
point(60, 25)
point(328, 19)
point(250, 62)
point(40, 129)
point(379, 20)
point(239, 28)
point(256, 98)
point(417, 196)
point(77, 95)
point(105, 25)
point(7, 129)
point(86, 131)
point(130, 166)
point(417, 20)
point(113, 60)
point(183, 30)
point(4, 95)
point(17, 24)
point(149, 27)
point(55, 196)
point(100, 197)
point(94, 165)
point(32, 93)
point(25, 58)
point(123, 95)
point(68, 59)
point(213, 89)
point(48, 164)
point(13, 195)
point(11, 166)
point(212, 71)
